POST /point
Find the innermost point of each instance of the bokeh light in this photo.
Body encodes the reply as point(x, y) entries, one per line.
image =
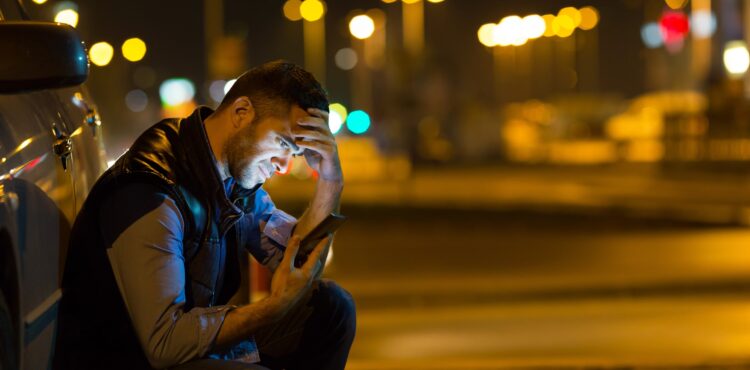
point(176, 91)
point(340, 109)
point(101, 53)
point(292, 10)
point(362, 26)
point(358, 122)
point(736, 58)
point(533, 26)
point(136, 100)
point(133, 49)
point(312, 10)
point(703, 23)
point(485, 34)
point(549, 19)
point(500, 35)
point(346, 58)
point(67, 16)
point(216, 90)
point(335, 122)
point(410, 1)
point(563, 25)
point(517, 35)
point(436, 1)
point(389, 1)
point(40, 1)
point(589, 18)
point(572, 13)
point(517, 31)
point(509, 32)
point(651, 35)
point(674, 26)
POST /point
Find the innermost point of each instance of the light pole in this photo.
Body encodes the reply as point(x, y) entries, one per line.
point(361, 28)
point(413, 26)
point(314, 35)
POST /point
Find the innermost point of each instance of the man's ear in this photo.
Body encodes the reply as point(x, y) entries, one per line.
point(243, 112)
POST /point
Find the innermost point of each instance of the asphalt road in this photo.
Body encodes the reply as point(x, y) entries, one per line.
point(447, 289)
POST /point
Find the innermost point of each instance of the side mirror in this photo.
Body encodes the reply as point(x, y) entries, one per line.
point(40, 55)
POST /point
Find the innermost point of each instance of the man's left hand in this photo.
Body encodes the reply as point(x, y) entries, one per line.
point(321, 152)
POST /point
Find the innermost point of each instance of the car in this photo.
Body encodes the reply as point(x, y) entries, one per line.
point(51, 153)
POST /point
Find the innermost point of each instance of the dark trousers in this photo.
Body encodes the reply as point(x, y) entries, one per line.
point(316, 334)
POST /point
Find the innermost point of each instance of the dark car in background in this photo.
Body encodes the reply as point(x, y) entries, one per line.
point(51, 153)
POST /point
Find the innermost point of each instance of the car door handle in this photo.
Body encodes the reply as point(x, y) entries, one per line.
point(63, 146)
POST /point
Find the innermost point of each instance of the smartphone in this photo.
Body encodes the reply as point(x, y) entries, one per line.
point(325, 228)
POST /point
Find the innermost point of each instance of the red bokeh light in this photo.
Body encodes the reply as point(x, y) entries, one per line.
point(674, 26)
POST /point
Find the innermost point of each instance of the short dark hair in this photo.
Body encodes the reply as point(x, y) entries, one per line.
point(274, 87)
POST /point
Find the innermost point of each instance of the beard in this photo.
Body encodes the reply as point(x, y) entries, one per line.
point(240, 152)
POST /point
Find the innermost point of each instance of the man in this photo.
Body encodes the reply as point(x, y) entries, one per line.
point(153, 256)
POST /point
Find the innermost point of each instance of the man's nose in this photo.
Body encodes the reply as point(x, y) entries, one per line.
point(280, 164)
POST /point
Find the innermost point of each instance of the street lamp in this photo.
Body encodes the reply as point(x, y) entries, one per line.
point(362, 26)
point(133, 49)
point(292, 10)
point(485, 34)
point(67, 16)
point(736, 58)
point(312, 10)
point(533, 26)
point(101, 53)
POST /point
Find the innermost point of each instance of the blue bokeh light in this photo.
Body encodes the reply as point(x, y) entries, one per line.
point(651, 35)
point(358, 122)
point(176, 91)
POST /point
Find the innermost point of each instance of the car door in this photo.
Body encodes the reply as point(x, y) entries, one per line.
point(36, 177)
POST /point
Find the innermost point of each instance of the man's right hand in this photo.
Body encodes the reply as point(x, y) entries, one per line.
point(290, 283)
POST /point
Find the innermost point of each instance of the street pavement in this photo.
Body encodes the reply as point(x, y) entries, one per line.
point(538, 281)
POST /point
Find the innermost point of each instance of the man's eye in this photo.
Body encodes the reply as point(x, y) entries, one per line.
point(283, 144)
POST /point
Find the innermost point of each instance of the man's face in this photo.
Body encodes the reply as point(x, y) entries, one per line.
point(262, 148)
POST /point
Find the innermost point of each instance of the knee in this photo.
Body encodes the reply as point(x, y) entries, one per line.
point(340, 305)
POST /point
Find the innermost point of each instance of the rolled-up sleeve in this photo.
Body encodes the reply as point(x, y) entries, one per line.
point(146, 258)
point(267, 245)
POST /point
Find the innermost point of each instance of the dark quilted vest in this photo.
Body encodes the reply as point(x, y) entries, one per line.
point(94, 329)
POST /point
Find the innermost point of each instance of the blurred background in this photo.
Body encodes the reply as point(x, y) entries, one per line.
point(529, 183)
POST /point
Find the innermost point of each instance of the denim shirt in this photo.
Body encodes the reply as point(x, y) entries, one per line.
point(149, 267)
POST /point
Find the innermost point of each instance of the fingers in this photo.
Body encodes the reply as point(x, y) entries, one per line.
point(317, 119)
point(292, 247)
point(324, 149)
point(313, 135)
point(315, 112)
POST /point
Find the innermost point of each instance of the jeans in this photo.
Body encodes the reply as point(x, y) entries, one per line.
point(316, 334)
